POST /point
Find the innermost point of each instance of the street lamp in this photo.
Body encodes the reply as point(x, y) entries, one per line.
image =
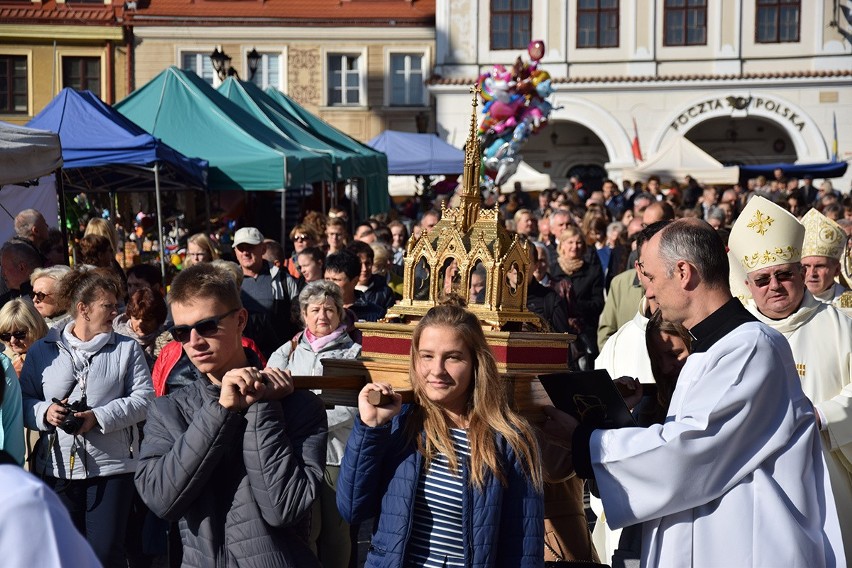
point(253, 59)
point(221, 63)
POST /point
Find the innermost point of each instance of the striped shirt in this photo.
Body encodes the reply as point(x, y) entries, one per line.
point(437, 539)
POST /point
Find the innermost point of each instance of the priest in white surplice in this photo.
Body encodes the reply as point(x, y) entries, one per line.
point(819, 335)
point(735, 476)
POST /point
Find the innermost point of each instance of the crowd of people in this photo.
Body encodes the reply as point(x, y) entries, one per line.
point(165, 420)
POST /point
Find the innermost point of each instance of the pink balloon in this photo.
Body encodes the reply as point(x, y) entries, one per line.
point(536, 49)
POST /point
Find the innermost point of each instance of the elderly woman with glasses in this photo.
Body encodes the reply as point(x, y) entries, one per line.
point(45, 281)
point(20, 326)
point(325, 337)
point(85, 388)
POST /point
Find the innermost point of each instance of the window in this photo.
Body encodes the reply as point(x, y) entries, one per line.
point(198, 63)
point(777, 21)
point(685, 22)
point(406, 79)
point(82, 73)
point(13, 84)
point(511, 24)
point(268, 72)
point(344, 79)
point(597, 23)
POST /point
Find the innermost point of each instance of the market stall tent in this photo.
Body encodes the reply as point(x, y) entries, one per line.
point(679, 157)
point(102, 150)
point(184, 111)
point(418, 154)
point(29, 159)
point(27, 153)
point(371, 166)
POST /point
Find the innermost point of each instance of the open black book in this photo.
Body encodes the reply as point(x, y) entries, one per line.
point(589, 396)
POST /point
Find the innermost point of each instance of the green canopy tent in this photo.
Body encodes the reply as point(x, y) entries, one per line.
point(185, 112)
point(370, 165)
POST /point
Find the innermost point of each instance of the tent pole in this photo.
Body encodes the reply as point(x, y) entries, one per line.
point(284, 217)
point(63, 214)
point(324, 210)
point(160, 223)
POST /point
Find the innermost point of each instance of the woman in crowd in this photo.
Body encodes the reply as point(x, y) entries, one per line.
point(85, 388)
point(311, 262)
point(96, 250)
point(325, 337)
point(45, 282)
point(199, 248)
point(460, 449)
point(20, 326)
point(580, 267)
point(143, 321)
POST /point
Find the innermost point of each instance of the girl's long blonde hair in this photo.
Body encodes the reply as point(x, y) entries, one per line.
point(487, 413)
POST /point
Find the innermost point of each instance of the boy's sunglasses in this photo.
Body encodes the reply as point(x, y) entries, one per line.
point(205, 328)
point(19, 335)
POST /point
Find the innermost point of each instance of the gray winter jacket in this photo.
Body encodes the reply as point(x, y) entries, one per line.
point(118, 391)
point(241, 486)
point(304, 361)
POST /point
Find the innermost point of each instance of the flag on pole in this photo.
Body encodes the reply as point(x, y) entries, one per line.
point(834, 154)
point(637, 150)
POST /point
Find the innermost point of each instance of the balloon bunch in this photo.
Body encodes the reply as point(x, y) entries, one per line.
point(515, 106)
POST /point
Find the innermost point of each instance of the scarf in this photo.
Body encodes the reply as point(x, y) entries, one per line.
point(569, 267)
point(317, 343)
point(82, 352)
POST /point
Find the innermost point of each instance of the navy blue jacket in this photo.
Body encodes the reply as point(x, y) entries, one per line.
point(503, 526)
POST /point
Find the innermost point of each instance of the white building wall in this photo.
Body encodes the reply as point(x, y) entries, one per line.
point(800, 87)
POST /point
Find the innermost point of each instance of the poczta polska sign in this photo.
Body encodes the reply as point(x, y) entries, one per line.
point(738, 104)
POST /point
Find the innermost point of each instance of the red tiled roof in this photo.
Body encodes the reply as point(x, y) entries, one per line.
point(50, 12)
point(438, 80)
point(283, 12)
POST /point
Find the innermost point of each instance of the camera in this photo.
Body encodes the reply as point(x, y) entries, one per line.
point(71, 424)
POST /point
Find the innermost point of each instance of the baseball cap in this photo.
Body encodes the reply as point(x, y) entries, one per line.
point(248, 235)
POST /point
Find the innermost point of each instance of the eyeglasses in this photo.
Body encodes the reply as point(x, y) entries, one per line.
point(301, 238)
point(40, 296)
point(19, 335)
point(205, 328)
point(782, 276)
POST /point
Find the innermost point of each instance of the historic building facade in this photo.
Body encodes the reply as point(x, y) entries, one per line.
point(46, 46)
point(748, 81)
point(359, 64)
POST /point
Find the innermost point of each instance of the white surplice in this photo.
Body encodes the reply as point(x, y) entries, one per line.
point(736, 475)
point(625, 352)
point(821, 340)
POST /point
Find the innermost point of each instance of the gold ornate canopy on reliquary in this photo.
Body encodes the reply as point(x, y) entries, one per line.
point(468, 243)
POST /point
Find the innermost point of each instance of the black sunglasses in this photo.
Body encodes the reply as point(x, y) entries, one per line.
point(301, 238)
point(19, 335)
point(205, 328)
point(40, 296)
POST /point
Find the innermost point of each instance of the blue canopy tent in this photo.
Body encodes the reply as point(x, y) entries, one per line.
point(418, 154)
point(103, 150)
point(821, 170)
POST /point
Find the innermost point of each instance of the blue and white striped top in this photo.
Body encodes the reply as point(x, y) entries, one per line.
point(437, 539)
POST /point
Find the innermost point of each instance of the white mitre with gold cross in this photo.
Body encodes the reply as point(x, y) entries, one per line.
point(823, 237)
point(765, 235)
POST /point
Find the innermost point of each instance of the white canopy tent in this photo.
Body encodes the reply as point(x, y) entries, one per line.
point(679, 157)
point(28, 160)
point(530, 178)
point(27, 154)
